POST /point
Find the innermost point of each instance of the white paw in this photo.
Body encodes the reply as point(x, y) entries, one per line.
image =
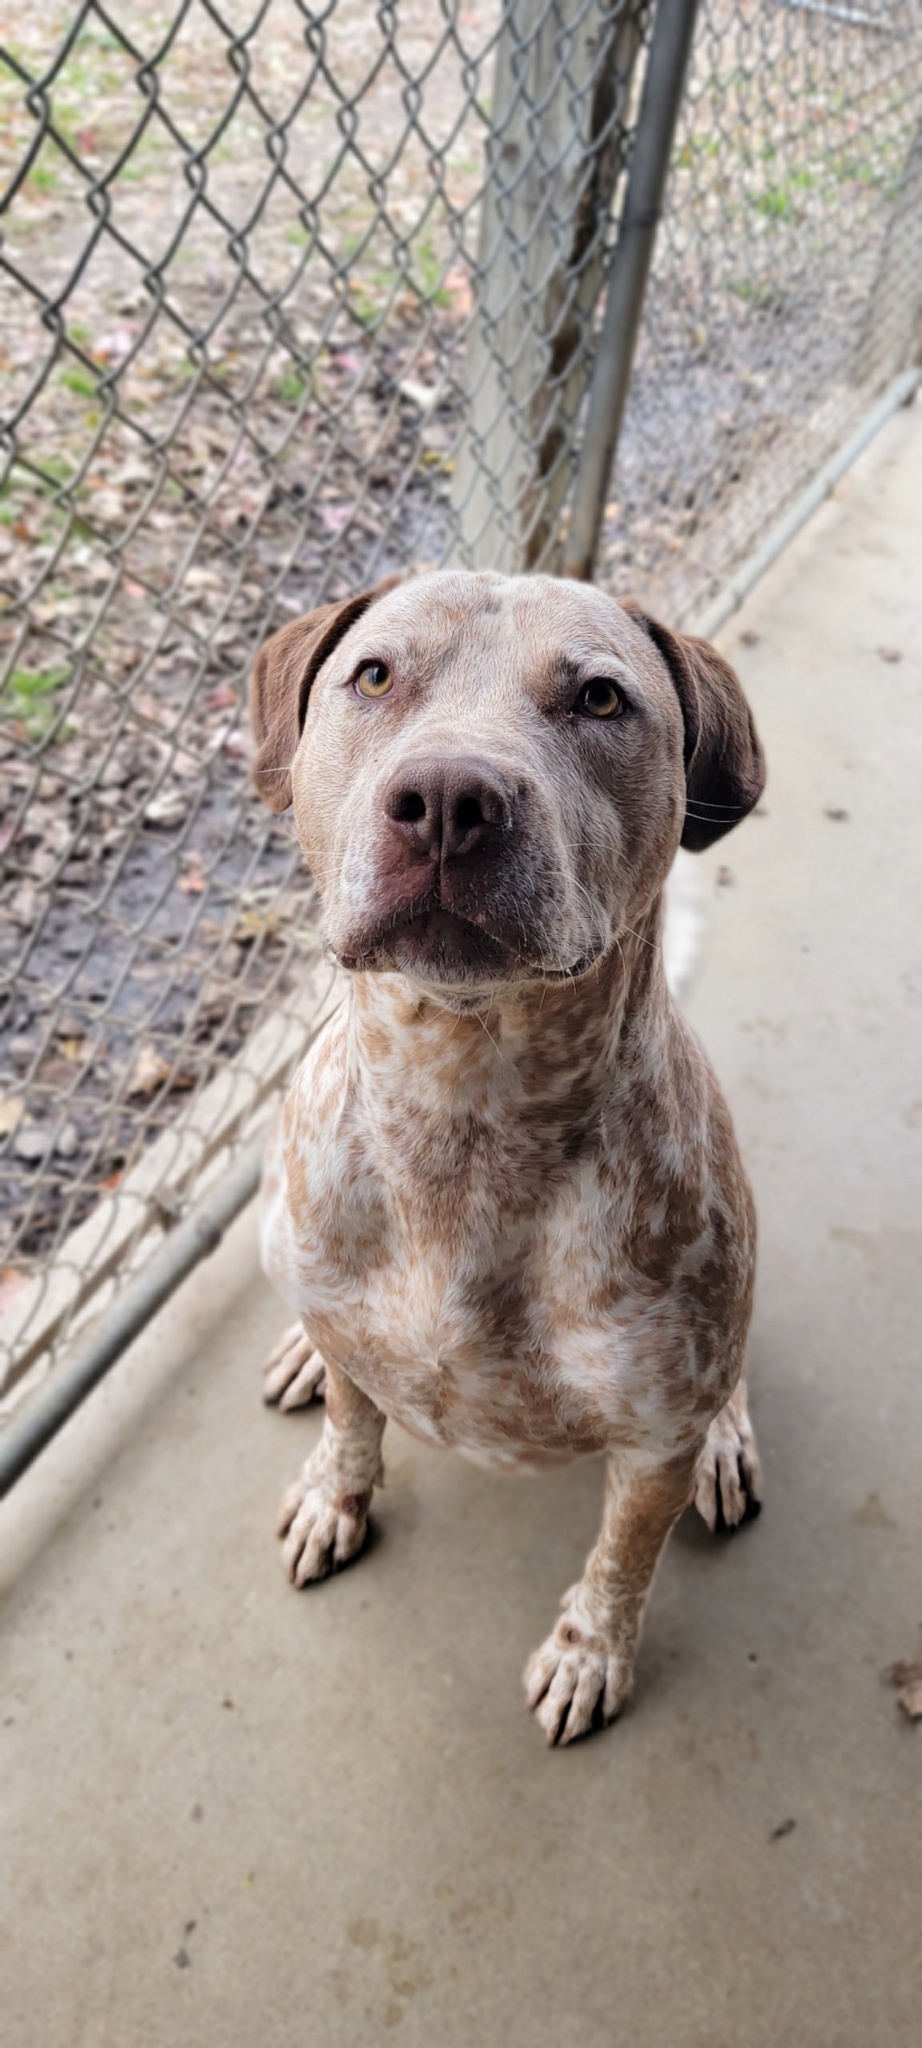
point(294, 1372)
point(728, 1485)
point(575, 1682)
point(322, 1529)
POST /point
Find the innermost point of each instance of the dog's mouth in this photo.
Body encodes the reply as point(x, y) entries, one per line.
point(436, 945)
point(441, 946)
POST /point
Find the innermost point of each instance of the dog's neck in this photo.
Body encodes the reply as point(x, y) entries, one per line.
point(553, 1046)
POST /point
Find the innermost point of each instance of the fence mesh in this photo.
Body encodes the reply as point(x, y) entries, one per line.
point(293, 298)
point(787, 283)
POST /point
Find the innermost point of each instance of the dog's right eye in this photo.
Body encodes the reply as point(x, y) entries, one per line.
point(374, 680)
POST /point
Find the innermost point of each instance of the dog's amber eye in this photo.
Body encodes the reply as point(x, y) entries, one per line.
point(374, 680)
point(600, 699)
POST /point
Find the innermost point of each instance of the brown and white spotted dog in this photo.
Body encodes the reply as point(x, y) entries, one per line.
point(506, 1201)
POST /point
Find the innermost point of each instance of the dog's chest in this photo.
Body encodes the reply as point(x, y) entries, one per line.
point(479, 1308)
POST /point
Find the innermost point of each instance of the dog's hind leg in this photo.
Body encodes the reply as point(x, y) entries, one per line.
point(294, 1373)
point(728, 1483)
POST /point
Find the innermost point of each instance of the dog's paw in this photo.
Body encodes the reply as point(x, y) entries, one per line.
point(322, 1529)
point(294, 1372)
point(728, 1485)
point(575, 1682)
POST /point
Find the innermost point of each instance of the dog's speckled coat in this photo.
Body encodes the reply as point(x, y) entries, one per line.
point(505, 1199)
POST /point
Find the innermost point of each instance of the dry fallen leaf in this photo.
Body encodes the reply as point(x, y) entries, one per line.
point(151, 1070)
point(254, 923)
point(32, 1143)
point(11, 1108)
point(168, 807)
point(908, 1681)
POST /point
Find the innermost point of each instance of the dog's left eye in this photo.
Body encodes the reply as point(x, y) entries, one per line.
point(374, 680)
point(600, 699)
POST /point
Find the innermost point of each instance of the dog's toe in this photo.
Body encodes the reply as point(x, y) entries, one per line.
point(574, 1687)
point(308, 1383)
point(294, 1372)
point(320, 1530)
point(728, 1487)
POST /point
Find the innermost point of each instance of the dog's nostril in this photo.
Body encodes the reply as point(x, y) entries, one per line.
point(468, 812)
point(407, 807)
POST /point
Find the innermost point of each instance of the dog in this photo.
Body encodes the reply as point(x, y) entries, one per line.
point(505, 1200)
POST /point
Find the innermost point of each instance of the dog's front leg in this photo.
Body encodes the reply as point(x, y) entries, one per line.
point(324, 1516)
point(582, 1674)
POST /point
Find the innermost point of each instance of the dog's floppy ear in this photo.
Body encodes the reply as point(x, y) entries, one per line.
point(280, 686)
point(724, 762)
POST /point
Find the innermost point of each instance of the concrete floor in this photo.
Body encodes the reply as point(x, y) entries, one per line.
point(234, 1817)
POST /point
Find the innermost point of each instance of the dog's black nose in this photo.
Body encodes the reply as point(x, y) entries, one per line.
point(448, 806)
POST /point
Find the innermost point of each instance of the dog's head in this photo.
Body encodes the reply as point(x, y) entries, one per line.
point(491, 775)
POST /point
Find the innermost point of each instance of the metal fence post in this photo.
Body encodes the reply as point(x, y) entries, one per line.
point(554, 154)
point(893, 319)
point(664, 83)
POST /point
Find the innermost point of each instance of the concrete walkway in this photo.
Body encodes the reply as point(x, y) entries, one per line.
point(233, 1817)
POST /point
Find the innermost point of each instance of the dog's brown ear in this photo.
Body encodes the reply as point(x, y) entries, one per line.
point(724, 762)
point(280, 686)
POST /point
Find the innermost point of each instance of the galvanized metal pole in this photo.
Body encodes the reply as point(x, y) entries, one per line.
point(667, 66)
point(554, 155)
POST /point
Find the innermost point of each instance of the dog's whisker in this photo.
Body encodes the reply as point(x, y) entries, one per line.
point(485, 1027)
point(639, 935)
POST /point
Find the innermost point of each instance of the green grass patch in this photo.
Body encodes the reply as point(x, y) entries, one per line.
point(56, 470)
point(696, 148)
point(776, 204)
point(426, 275)
point(79, 381)
point(290, 387)
point(30, 699)
point(43, 177)
point(755, 292)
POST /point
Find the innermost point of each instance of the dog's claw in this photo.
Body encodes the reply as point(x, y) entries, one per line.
point(294, 1373)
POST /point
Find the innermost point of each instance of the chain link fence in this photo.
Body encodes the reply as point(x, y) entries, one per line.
point(787, 284)
point(292, 298)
